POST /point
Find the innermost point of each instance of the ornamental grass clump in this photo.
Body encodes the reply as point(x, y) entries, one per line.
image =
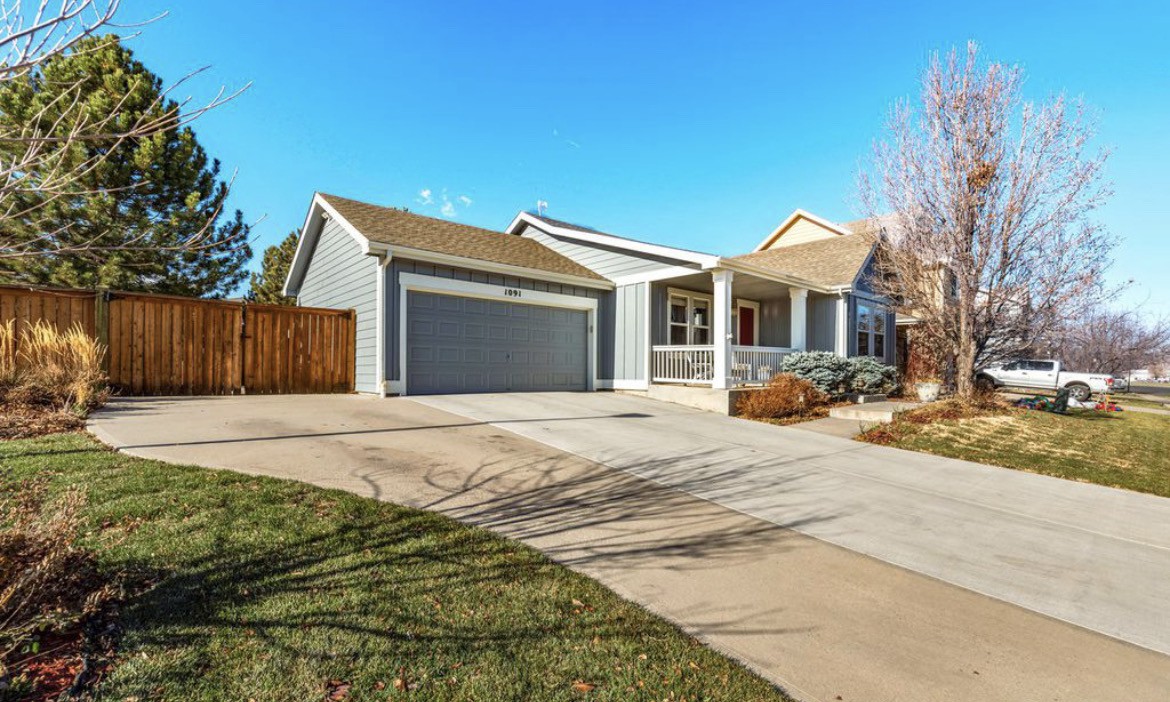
point(785, 396)
point(43, 365)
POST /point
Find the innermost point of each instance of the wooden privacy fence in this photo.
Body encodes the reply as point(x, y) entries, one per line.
point(168, 345)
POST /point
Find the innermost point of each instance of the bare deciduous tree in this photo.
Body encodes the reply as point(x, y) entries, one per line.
point(984, 202)
point(1113, 342)
point(39, 156)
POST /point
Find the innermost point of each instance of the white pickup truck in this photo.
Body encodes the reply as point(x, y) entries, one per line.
point(1046, 374)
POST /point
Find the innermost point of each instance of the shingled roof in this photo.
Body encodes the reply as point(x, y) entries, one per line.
point(829, 262)
point(386, 225)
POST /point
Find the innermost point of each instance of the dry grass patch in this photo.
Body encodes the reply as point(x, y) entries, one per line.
point(1128, 450)
point(50, 379)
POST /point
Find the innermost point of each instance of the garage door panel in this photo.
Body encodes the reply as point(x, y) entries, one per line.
point(457, 344)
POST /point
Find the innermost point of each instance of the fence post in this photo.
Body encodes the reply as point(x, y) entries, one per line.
point(101, 325)
point(243, 348)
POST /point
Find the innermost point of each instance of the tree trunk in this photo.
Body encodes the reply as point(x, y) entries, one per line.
point(965, 358)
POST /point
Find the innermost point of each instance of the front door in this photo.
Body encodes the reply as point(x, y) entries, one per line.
point(747, 326)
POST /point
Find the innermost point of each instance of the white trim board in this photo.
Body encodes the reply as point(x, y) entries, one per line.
point(617, 242)
point(477, 264)
point(415, 282)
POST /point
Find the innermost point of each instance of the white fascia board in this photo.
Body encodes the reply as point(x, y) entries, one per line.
point(477, 264)
point(656, 275)
point(767, 274)
point(319, 212)
point(616, 242)
point(345, 224)
point(831, 226)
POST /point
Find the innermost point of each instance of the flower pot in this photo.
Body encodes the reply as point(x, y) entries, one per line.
point(927, 392)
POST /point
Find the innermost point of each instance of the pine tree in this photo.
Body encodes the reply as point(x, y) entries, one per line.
point(148, 216)
point(268, 284)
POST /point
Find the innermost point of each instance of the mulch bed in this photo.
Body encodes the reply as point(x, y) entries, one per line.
point(25, 421)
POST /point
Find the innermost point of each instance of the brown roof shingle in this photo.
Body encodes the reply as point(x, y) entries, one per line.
point(828, 262)
point(387, 225)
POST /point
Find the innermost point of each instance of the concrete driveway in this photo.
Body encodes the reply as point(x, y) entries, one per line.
point(1094, 556)
point(823, 621)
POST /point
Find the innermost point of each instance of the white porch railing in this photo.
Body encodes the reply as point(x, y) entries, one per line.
point(683, 364)
point(756, 364)
point(695, 365)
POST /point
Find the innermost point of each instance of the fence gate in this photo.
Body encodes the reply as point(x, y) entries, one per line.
point(169, 345)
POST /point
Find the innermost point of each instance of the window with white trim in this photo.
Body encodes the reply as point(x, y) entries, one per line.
point(689, 319)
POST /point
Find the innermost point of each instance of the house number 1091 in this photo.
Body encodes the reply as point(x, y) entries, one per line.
point(512, 292)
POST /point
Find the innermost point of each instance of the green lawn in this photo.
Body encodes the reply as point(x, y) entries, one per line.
point(1126, 449)
point(272, 590)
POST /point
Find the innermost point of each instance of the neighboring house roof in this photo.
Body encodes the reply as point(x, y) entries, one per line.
point(829, 262)
point(396, 228)
point(830, 228)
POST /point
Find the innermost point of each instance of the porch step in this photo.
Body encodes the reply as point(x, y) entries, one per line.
point(880, 412)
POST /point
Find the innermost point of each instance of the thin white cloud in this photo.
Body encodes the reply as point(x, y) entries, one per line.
point(448, 209)
point(465, 200)
point(424, 196)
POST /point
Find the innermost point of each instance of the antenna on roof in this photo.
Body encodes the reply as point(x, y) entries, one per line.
point(541, 206)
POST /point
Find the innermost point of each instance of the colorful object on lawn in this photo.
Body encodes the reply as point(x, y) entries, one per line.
point(1038, 403)
point(1061, 403)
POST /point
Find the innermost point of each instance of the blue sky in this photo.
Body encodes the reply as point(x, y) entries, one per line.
point(701, 127)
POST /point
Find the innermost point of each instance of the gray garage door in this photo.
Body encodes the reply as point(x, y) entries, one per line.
point(461, 344)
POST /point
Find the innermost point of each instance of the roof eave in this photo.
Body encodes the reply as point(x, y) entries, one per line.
point(495, 267)
point(320, 211)
point(524, 219)
point(769, 274)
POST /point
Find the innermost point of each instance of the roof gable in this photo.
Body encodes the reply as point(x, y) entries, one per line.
point(832, 262)
point(385, 228)
point(801, 227)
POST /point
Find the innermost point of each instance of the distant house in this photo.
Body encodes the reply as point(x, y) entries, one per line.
point(548, 305)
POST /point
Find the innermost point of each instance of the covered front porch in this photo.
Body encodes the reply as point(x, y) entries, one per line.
point(724, 328)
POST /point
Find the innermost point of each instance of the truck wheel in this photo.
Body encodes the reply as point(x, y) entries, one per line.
point(985, 383)
point(1079, 391)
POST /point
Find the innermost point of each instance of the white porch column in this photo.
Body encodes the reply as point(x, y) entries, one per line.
point(721, 327)
point(799, 319)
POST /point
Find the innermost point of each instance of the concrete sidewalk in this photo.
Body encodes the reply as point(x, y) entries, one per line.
point(822, 621)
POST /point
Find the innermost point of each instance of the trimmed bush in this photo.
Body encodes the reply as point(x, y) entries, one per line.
point(870, 376)
point(785, 396)
point(826, 370)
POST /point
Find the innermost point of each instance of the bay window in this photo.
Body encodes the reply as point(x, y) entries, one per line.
point(871, 330)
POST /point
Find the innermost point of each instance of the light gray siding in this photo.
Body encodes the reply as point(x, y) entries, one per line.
point(603, 260)
point(863, 283)
point(340, 276)
point(605, 307)
point(776, 322)
point(822, 322)
point(629, 352)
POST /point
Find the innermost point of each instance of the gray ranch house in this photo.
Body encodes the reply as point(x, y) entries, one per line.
point(547, 305)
